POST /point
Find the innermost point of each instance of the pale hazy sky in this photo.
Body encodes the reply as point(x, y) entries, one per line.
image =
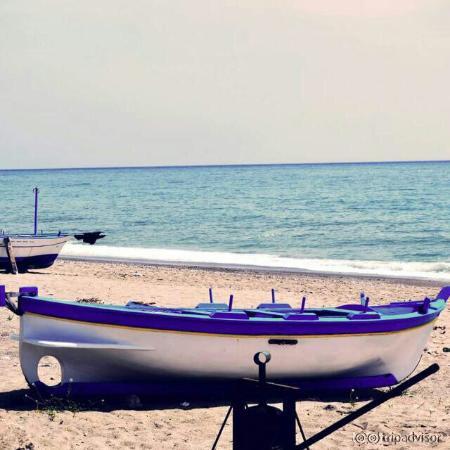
point(110, 83)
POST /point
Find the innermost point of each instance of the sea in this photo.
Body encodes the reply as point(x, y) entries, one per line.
point(386, 219)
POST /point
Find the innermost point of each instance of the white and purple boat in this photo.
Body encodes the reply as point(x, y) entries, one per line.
point(23, 252)
point(30, 251)
point(138, 348)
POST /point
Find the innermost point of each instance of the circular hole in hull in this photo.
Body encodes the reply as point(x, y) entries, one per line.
point(49, 371)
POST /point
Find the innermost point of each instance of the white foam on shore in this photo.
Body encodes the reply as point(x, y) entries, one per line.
point(439, 271)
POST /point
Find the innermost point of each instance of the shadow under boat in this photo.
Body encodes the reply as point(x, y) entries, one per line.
point(210, 397)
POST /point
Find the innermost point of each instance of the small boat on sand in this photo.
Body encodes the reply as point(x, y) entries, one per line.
point(139, 348)
point(30, 251)
point(23, 252)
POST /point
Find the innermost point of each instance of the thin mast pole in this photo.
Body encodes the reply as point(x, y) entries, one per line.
point(36, 199)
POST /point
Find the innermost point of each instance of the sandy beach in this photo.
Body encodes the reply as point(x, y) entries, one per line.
point(297, 146)
point(25, 424)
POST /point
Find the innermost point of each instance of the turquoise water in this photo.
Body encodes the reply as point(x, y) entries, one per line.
point(391, 212)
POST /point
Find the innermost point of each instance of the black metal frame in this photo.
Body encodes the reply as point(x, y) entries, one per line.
point(247, 390)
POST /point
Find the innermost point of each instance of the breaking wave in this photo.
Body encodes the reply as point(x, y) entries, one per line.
point(439, 271)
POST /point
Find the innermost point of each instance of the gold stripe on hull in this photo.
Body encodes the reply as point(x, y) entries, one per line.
point(241, 336)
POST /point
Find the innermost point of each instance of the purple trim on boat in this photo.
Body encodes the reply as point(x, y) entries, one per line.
point(301, 316)
point(174, 321)
point(29, 262)
point(31, 291)
point(355, 307)
point(444, 294)
point(274, 306)
point(2, 295)
point(364, 316)
point(195, 387)
point(212, 306)
point(229, 315)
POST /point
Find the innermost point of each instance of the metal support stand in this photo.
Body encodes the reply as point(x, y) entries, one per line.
point(264, 427)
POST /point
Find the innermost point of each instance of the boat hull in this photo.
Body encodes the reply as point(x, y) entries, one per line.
point(32, 253)
point(99, 354)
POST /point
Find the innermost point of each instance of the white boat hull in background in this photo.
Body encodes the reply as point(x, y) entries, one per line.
point(32, 252)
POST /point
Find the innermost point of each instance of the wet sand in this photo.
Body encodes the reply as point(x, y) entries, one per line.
point(25, 423)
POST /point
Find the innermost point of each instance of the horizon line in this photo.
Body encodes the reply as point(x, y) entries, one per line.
point(182, 166)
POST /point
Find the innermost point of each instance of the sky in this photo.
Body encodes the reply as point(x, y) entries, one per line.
point(118, 83)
